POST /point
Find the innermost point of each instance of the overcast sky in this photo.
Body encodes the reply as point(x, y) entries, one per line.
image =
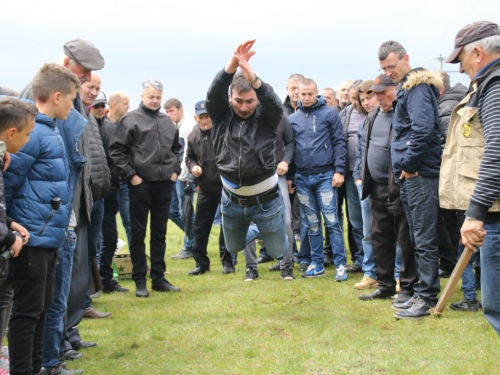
point(184, 43)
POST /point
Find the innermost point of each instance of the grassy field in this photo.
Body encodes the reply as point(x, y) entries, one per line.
point(219, 324)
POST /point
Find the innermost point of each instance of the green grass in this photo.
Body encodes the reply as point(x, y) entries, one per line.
point(219, 324)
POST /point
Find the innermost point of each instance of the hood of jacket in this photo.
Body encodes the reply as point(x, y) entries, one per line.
point(454, 94)
point(420, 76)
point(320, 102)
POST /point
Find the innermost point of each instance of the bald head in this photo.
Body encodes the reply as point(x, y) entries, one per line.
point(119, 104)
point(343, 93)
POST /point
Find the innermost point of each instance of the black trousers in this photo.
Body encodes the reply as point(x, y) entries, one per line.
point(448, 235)
point(149, 198)
point(33, 275)
point(206, 207)
point(389, 224)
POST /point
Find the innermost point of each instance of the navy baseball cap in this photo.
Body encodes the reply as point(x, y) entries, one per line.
point(200, 108)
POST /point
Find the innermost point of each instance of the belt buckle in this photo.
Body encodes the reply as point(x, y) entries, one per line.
point(243, 202)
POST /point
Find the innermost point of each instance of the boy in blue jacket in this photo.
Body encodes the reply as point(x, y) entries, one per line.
point(37, 197)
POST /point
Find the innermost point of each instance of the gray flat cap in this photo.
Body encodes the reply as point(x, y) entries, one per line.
point(84, 53)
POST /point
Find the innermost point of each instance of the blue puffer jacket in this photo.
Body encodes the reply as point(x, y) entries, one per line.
point(38, 173)
point(319, 139)
point(416, 141)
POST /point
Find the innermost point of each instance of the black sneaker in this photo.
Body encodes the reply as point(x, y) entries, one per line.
point(59, 370)
point(353, 268)
point(328, 260)
point(252, 274)
point(264, 259)
point(226, 270)
point(184, 254)
point(141, 290)
point(303, 267)
point(113, 286)
point(465, 305)
point(287, 273)
point(402, 298)
point(275, 268)
point(163, 285)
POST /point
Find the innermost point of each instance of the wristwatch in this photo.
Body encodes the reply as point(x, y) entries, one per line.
point(256, 78)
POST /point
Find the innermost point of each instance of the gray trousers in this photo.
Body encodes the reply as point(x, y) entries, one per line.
point(249, 251)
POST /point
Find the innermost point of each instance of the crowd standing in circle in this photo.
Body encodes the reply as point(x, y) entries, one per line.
point(414, 158)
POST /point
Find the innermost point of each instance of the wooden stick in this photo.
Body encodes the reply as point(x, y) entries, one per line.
point(452, 282)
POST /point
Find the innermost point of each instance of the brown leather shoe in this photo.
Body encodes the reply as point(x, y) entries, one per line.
point(91, 313)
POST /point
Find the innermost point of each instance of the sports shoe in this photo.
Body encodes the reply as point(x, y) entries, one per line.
point(328, 260)
point(365, 283)
point(163, 285)
point(91, 313)
point(264, 259)
point(113, 286)
point(287, 273)
point(465, 305)
point(226, 270)
point(276, 267)
point(314, 271)
point(419, 310)
point(252, 274)
point(303, 267)
point(341, 274)
point(401, 306)
point(353, 268)
point(402, 297)
point(59, 370)
point(183, 254)
point(141, 290)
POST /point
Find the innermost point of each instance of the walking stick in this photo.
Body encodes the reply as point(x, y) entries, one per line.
point(452, 282)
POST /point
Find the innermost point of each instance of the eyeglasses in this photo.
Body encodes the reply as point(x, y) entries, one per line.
point(389, 68)
point(100, 105)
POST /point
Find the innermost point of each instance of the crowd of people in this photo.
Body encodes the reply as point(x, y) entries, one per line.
point(414, 160)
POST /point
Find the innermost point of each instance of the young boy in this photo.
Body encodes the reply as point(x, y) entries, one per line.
point(37, 197)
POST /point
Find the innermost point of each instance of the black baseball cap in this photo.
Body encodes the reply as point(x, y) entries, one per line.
point(381, 83)
point(475, 31)
point(84, 53)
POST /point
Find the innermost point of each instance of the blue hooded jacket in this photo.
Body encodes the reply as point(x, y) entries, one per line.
point(319, 139)
point(38, 173)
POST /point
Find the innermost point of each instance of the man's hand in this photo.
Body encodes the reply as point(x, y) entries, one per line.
point(473, 234)
point(22, 231)
point(136, 180)
point(173, 177)
point(407, 175)
point(337, 180)
point(196, 171)
point(357, 182)
point(291, 189)
point(16, 247)
point(245, 53)
point(282, 168)
point(6, 161)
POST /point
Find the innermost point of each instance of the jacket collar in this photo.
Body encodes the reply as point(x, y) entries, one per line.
point(147, 110)
point(320, 102)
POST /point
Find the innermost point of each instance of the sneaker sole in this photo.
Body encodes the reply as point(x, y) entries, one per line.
point(339, 281)
point(411, 317)
point(249, 279)
point(313, 276)
point(288, 278)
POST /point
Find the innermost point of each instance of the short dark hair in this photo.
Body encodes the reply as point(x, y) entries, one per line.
point(240, 84)
point(296, 77)
point(446, 80)
point(52, 78)
point(388, 47)
point(307, 82)
point(172, 102)
point(15, 113)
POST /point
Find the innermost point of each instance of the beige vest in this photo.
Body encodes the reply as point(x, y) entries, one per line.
point(462, 157)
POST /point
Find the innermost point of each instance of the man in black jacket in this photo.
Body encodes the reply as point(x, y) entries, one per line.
point(200, 161)
point(244, 135)
point(146, 150)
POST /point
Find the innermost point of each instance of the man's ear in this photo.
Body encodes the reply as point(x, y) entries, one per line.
point(66, 62)
point(56, 97)
point(10, 133)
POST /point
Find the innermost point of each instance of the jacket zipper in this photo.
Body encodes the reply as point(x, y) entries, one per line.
point(239, 159)
point(159, 145)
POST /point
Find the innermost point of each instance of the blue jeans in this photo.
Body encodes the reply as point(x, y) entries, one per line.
point(421, 204)
point(355, 217)
point(175, 213)
point(490, 275)
point(317, 196)
point(468, 279)
point(124, 201)
point(368, 261)
point(54, 324)
point(269, 219)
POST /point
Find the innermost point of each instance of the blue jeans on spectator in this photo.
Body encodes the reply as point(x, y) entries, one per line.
point(317, 196)
point(269, 219)
point(368, 266)
point(399, 260)
point(218, 216)
point(490, 275)
point(355, 217)
point(420, 199)
point(54, 324)
point(468, 279)
point(175, 213)
point(124, 201)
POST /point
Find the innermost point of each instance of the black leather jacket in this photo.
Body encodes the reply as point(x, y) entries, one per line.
point(244, 148)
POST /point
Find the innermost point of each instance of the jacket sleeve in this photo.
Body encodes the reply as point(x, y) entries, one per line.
point(338, 141)
point(272, 109)
point(7, 238)
point(360, 150)
point(288, 141)
point(422, 117)
point(177, 148)
point(119, 149)
point(218, 96)
point(191, 160)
